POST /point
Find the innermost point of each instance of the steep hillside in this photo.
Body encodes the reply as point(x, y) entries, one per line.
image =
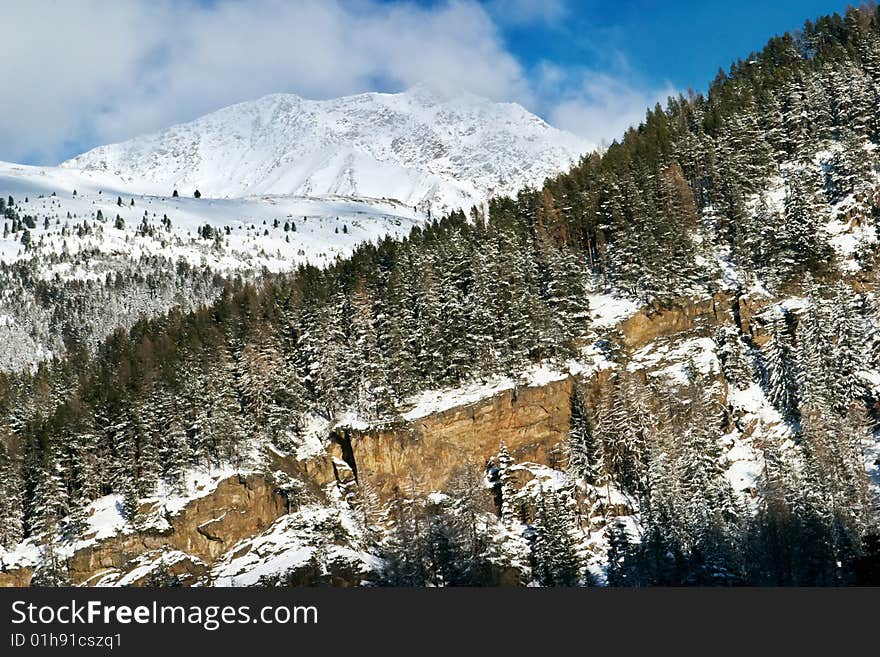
point(659, 369)
point(282, 182)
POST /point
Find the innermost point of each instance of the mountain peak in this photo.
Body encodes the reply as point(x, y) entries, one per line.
point(422, 147)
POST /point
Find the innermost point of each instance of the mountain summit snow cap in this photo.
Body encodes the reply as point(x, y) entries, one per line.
point(421, 147)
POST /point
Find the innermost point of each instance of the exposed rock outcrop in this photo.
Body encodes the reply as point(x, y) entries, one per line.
point(17, 577)
point(656, 321)
point(205, 528)
point(531, 421)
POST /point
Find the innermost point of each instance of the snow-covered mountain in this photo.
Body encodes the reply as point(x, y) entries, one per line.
point(417, 147)
point(283, 181)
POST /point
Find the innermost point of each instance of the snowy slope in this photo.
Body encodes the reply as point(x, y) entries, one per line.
point(77, 238)
point(325, 228)
point(416, 147)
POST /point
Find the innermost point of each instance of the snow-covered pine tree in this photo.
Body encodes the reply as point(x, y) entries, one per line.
point(557, 562)
point(763, 241)
point(50, 501)
point(175, 454)
point(781, 369)
point(585, 458)
point(389, 322)
point(619, 555)
point(372, 394)
point(506, 487)
point(51, 572)
point(11, 500)
point(710, 509)
point(848, 355)
point(814, 363)
point(803, 240)
point(631, 419)
point(130, 501)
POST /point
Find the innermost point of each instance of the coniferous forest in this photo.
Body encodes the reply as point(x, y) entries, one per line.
point(732, 191)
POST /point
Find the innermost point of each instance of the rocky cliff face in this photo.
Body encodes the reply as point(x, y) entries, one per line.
point(202, 531)
point(17, 577)
point(532, 422)
point(424, 454)
point(653, 322)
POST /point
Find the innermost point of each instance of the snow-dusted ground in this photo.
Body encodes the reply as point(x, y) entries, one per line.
point(292, 541)
point(429, 402)
point(672, 359)
point(607, 310)
point(763, 424)
point(247, 237)
point(283, 182)
point(324, 228)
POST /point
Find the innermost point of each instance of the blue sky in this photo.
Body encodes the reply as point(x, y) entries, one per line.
point(682, 41)
point(90, 72)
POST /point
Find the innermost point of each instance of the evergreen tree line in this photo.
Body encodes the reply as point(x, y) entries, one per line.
point(809, 520)
point(812, 520)
point(466, 297)
point(694, 176)
point(46, 315)
point(455, 301)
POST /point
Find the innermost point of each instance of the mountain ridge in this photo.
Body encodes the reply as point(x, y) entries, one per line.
point(438, 152)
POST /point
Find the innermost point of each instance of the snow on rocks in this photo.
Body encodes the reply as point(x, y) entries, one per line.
point(608, 310)
point(104, 517)
point(672, 359)
point(443, 399)
point(293, 541)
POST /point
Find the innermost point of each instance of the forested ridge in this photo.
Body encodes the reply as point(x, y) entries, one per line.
point(735, 187)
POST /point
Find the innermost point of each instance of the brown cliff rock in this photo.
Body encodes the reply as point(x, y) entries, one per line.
point(16, 578)
point(674, 317)
point(207, 527)
point(531, 421)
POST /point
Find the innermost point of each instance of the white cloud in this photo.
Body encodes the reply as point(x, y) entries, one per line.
point(79, 73)
point(93, 71)
point(600, 106)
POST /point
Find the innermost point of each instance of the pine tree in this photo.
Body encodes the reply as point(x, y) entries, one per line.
point(585, 459)
point(557, 562)
point(506, 487)
point(404, 549)
point(619, 555)
point(814, 367)
point(51, 572)
point(848, 348)
point(130, 501)
point(782, 376)
point(50, 496)
point(175, 455)
point(803, 242)
point(11, 502)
